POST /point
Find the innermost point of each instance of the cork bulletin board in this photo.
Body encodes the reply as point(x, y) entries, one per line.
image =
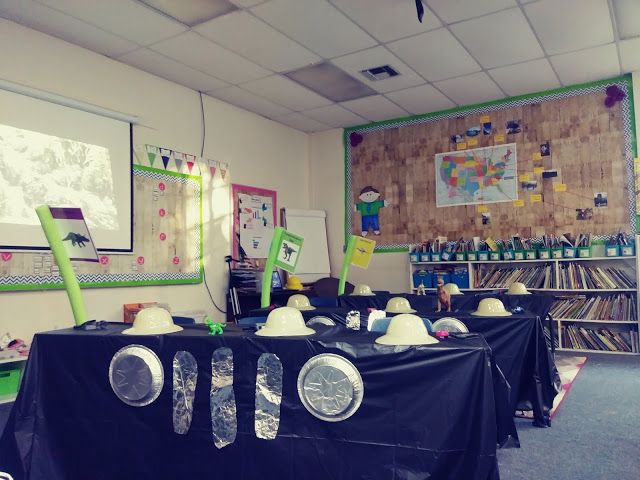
point(167, 241)
point(573, 172)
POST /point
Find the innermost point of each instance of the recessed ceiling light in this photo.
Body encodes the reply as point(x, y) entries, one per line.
point(380, 73)
point(192, 12)
point(329, 81)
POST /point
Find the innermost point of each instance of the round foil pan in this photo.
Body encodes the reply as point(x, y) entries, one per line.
point(136, 375)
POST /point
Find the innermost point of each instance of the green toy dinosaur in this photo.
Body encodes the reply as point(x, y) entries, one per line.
point(215, 328)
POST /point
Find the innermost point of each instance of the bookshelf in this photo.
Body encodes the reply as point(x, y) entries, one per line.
point(596, 298)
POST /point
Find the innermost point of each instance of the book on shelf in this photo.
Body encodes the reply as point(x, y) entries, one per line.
point(576, 276)
point(615, 306)
point(599, 339)
point(540, 276)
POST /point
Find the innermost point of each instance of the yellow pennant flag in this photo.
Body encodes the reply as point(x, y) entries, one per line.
point(362, 252)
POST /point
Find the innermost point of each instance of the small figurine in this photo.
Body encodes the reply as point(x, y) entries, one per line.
point(444, 299)
point(215, 328)
point(421, 289)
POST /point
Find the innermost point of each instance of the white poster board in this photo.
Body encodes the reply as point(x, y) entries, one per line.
point(314, 258)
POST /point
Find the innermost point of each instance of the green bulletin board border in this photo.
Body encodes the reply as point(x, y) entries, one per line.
point(485, 107)
point(16, 283)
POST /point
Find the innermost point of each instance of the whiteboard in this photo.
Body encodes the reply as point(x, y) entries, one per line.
point(314, 258)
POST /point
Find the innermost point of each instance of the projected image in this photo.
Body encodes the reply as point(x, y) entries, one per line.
point(37, 169)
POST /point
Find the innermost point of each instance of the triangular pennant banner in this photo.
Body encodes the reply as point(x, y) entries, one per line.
point(139, 154)
point(212, 166)
point(179, 158)
point(223, 169)
point(152, 151)
point(165, 153)
point(191, 159)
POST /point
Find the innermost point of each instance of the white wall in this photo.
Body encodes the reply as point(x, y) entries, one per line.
point(260, 152)
point(387, 271)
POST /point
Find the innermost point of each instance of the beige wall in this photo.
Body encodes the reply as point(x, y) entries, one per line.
point(260, 153)
point(387, 271)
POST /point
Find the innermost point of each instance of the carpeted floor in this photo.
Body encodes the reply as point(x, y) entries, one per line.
point(595, 434)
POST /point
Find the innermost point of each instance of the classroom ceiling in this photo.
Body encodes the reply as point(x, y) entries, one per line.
point(256, 54)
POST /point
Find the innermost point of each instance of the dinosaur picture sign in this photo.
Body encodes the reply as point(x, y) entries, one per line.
point(289, 246)
point(74, 234)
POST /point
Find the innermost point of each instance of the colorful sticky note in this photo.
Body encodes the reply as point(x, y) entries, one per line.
point(498, 138)
point(485, 118)
point(518, 203)
point(535, 197)
point(538, 170)
point(482, 209)
point(560, 187)
point(461, 146)
point(524, 177)
point(472, 142)
point(537, 156)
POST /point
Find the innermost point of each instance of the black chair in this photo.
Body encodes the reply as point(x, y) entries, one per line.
point(328, 287)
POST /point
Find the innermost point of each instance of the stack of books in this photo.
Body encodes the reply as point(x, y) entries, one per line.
point(603, 339)
point(616, 306)
point(501, 277)
point(575, 276)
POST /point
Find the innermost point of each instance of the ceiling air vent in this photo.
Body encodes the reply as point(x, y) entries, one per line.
point(380, 73)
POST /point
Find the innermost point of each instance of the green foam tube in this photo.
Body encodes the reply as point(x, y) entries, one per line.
point(265, 297)
point(66, 270)
point(348, 255)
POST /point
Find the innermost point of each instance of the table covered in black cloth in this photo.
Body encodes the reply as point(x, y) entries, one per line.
point(427, 412)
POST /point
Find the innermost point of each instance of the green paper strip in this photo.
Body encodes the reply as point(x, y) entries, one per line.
point(265, 297)
point(351, 244)
point(62, 258)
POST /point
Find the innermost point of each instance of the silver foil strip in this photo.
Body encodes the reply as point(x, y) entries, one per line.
point(353, 320)
point(222, 401)
point(268, 396)
point(185, 377)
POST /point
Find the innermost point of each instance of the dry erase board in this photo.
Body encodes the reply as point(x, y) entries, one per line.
point(314, 258)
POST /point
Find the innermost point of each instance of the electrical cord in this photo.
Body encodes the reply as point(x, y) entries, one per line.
point(204, 271)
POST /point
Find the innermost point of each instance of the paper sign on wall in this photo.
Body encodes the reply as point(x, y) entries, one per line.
point(289, 246)
point(362, 252)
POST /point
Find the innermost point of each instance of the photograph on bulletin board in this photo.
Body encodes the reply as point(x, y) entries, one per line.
point(254, 218)
point(416, 178)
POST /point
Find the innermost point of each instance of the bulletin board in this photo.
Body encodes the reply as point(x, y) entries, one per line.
point(167, 241)
point(571, 156)
point(254, 219)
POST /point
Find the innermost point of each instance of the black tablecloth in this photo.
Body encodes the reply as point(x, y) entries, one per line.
point(427, 412)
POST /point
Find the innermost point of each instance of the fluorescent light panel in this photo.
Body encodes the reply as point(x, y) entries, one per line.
point(329, 81)
point(192, 12)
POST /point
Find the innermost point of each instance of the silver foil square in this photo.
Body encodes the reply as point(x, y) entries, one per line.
point(185, 377)
point(224, 422)
point(268, 396)
point(353, 320)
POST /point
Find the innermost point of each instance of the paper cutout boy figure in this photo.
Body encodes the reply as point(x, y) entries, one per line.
point(369, 207)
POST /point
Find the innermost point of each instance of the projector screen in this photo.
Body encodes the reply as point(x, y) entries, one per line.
point(64, 157)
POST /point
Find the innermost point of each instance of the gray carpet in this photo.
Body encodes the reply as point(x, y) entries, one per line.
point(594, 436)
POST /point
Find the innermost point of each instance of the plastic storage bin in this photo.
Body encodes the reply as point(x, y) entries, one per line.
point(584, 252)
point(627, 250)
point(612, 250)
point(9, 381)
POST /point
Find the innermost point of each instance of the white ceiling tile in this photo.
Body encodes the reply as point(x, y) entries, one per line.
point(630, 55)
point(300, 122)
point(127, 18)
point(199, 53)
point(568, 25)
point(286, 92)
point(354, 63)
point(316, 24)
point(422, 99)
point(587, 65)
point(247, 3)
point(192, 12)
point(527, 77)
point(263, 45)
point(387, 20)
point(455, 10)
point(474, 88)
point(249, 101)
point(627, 13)
point(375, 108)
point(335, 116)
point(435, 55)
point(164, 67)
point(52, 22)
point(511, 40)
